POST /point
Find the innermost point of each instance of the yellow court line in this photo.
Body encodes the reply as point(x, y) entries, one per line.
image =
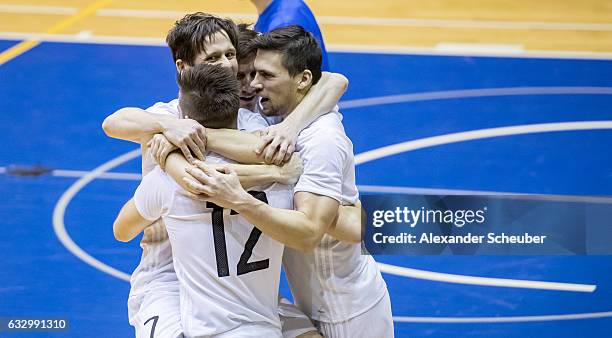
point(26, 45)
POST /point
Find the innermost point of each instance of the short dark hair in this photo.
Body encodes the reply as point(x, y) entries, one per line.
point(188, 36)
point(300, 49)
point(209, 95)
point(245, 38)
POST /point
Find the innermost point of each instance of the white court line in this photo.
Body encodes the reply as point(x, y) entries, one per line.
point(480, 48)
point(436, 51)
point(483, 281)
point(332, 20)
point(394, 22)
point(473, 93)
point(374, 188)
point(513, 319)
point(60, 208)
point(163, 14)
point(91, 39)
point(476, 135)
point(371, 188)
point(471, 24)
point(38, 9)
point(345, 48)
point(105, 175)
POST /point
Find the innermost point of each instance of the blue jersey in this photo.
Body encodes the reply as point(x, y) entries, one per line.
point(283, 13)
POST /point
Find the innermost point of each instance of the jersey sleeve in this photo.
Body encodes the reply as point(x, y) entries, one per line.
point(250, 121)
point(152, 197)
point(324, 154)
point(165, 108)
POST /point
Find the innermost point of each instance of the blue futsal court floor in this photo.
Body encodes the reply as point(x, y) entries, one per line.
point(59, 257)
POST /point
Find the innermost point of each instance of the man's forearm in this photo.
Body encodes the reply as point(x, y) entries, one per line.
point(347, 227)
point(290, 227)
point(129, 223)
point(249, 175)
point(234, 144)
point(134, 124)
point(253, 175)
point(319, 100)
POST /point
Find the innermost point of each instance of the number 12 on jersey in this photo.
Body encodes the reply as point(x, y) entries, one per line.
point(218, 227)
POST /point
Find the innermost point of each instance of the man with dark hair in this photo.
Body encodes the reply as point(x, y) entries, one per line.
point(215, 299)
point(202, 37)
point(298, 53)
point(331, 281)
point(209, 94)
point(196, 38)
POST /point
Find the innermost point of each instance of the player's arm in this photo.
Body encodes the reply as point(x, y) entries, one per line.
point(129, 223)
point(253, 175)
point(175, 164)
point(301, 229)
point(149, 202)
point(235, 144)
point(279, 140)
point(348, 226)
point(249, 175)
point(137, 125)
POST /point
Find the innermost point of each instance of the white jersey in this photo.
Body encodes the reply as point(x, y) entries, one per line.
point(155, 273)
point(335, 282)
point(228, 270)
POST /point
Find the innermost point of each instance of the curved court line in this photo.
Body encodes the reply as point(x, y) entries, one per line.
point(514, 319)
point(60, 208)
point(483, 281)
point(60, 230)
point(476, 135)
point(469, 93)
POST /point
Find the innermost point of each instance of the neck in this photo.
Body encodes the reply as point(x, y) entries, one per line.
point(261, 5)
point(299, 97)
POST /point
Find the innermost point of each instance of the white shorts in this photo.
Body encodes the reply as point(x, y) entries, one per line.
point(158, 315)
point(377, 322)
point(293, 321)
point(250, 331)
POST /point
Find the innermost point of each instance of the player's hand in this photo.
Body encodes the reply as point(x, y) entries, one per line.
point(221, 186)
point(160, 149)
point(278, 143)
point(290, 172)
point(189, 136)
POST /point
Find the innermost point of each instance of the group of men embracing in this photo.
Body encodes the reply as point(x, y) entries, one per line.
point(249, 169)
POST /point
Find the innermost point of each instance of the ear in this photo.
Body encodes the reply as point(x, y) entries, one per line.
point(180, 65)
point(304, 80)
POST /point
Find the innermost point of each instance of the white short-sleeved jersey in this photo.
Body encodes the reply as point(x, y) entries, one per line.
point(228, 270)
point(335, 282)
point(155, 276)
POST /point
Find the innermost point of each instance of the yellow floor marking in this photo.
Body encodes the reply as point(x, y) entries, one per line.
point(26, 45)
